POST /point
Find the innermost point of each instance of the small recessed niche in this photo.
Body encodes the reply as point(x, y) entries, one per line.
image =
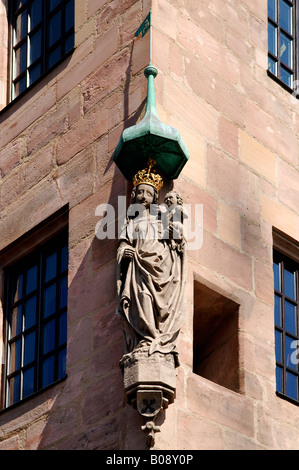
point(215, 337)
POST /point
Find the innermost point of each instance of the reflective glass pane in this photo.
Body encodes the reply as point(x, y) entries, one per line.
point(21, 60)
point(278, 346)
point(34, 73)
point(290, 317)
point(69, 43)
point(64, 258)
point(31, 283)
point(48, 371)
point(16, 321)
point(14, 390)
point(286, 77)
point(28, 382)
point(276, 271)
point(291, 385)
point(272, 39)
point(30, 312)
point(277, 310)
point(54, 56)
point(272, 65)
point(20, 86)
point(279, 379)
point(54, 4)
point(36, 13)
point(29, 348)
point(62, 364)
point(15, 356)
point(291, 351)
point(286, 16)
point(50, 300)
point(35, 46)
point(272, 9)
point(49, 337)
point(55, 28)
point(286, 50)
point(69, 15)
point(17, 288)
point(21, 26)
point(51, 266)
point(290, 284)
point(63, 292)
point(62, 329)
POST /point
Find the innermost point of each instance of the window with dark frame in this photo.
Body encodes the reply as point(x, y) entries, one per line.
point(36, 313)
point(281, 40)
point(42, 34)
point(286, 288)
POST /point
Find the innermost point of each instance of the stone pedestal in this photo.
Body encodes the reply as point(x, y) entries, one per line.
point(149, 382)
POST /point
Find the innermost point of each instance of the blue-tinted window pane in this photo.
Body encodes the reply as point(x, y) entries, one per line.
point(272, 9)
point(290, 317)
point(21, 26)
point(48, 371)
point(51, 266)
point(21, 59)
point(50, 300)
point(30, 312)
point(17, 292)
point(49, 337)
point(29, 348)
point(54, 56)
point(62, 364)
point(272, 65)
point(278, 346)
point(14, 390)
point(15, 356)
point(279, 379)
point(277, 310)
point(286, 77)
point(20, 86)
point(286, 16)
point(69, 15)
point(64, 258)
point(54, 4)
point(34, 73)
point(28, 382)
point(16, 322)
point(276, 271)
point(62, 329)
point(55, 28)
point(36, 13)
point(35, 46)
point(63, 292)
point(291, 349)
point(291, 385)
point(286, 50)
point(272, 39)
point(31, 280)
point(290, 284)
point(69, 43)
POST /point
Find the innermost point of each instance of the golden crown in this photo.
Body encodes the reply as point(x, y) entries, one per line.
point(147, 176)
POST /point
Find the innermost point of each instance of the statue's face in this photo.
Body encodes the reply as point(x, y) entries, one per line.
point(170, 199)
point(145, 195)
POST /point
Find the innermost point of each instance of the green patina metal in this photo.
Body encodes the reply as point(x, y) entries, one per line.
point(151, 138)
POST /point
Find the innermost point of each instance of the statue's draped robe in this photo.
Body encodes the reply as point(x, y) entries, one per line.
point(150, 287)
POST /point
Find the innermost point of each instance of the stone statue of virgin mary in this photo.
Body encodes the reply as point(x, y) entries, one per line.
point(151, 272)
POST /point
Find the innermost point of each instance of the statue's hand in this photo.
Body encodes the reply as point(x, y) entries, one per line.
point(129, 252)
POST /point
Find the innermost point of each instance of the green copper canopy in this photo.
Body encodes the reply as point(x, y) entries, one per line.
point(150, 138)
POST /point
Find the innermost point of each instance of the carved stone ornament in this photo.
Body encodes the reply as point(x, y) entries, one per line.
point(151, 274)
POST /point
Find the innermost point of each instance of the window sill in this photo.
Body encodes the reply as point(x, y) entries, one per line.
point(283, 85)
point(285, 397)
point(33, 395)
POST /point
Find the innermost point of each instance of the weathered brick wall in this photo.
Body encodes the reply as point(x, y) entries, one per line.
point(241, 129)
